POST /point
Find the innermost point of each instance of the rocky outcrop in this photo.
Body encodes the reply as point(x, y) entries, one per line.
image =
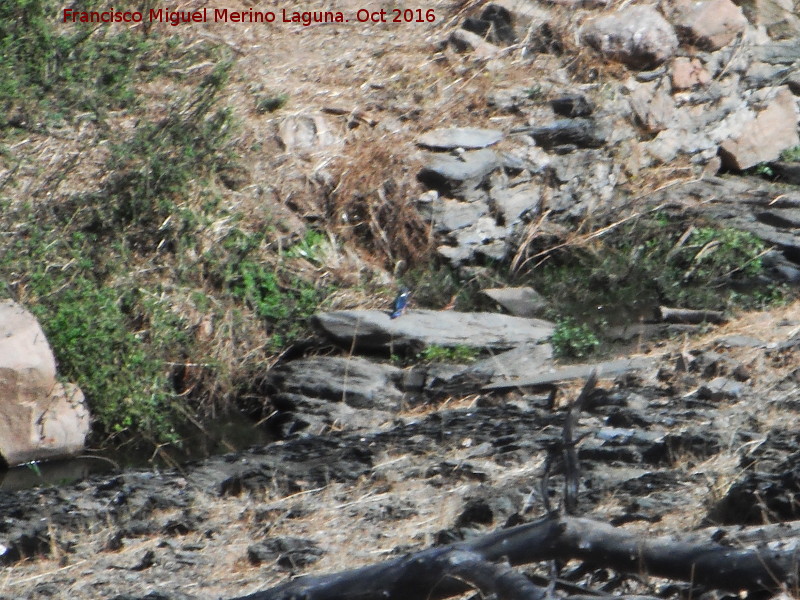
point(317, 393)
point(459, 173)
point(40, 417)
point(719, 94)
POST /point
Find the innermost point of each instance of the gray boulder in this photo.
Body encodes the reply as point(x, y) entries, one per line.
point(316, 394)
point(40, 418)
point(519, 301)
point(637, 36)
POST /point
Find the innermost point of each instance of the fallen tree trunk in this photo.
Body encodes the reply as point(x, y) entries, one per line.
point(439, 573)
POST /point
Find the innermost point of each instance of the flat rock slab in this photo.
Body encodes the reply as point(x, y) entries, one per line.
point(555, 375)
point(373, 329)
point(459, 137)
point(453, 174)
point(517, 363)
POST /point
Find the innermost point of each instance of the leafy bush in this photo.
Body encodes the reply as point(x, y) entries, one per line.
point(791, 154)
point(455, 354)
point(573, 340)
point(125, 380)
point(283, 300)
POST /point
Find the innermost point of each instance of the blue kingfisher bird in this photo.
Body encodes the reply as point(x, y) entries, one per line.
point(400, 303)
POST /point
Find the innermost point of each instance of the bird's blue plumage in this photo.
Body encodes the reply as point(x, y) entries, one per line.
point(400, 303)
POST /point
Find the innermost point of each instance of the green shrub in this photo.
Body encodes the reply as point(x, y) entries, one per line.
point(572, 340)
point(791, 154)
point(126, 382)
point(283, 300)
point(454, 354)
point(271, 103)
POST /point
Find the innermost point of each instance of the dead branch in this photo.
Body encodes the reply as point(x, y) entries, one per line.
point(691, 317)
point(571, 465)
point(435, 573)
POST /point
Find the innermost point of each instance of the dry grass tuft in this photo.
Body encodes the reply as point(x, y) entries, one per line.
point(373, 203)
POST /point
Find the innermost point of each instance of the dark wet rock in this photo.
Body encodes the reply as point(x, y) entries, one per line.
point(449, 380)
point(623, 445)
point(452, 175)
point(459, 137)
point(288, 552)
point(580, 133)
point(295, 414)
point(373, 329)
point(519, 301)
point(571, 106)
point(315, 460)
point(508, 429)
point(495, 24)
point(637, 36)
point(788, 171)
point(769, 490)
